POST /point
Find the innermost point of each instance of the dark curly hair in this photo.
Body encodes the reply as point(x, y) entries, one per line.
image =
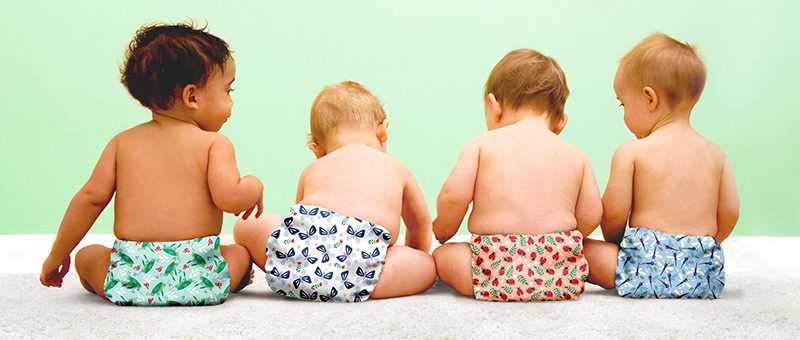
point(163, 58)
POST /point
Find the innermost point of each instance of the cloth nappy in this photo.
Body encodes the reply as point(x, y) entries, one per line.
point(528, 267)
point(180, 273)
point(654, 264)
point(317, 254)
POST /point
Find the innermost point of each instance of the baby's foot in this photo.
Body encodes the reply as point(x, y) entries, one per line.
point(245, 280)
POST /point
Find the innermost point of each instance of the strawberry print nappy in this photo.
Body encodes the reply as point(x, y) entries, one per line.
point(654, 264)
point(180, 273)
point(528, 267)
point(319, 255)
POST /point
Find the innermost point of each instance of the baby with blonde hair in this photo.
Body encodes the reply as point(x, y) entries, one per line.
point(672, 187)
point(337, 242)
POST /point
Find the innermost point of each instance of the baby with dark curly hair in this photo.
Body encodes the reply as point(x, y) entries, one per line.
point(173, 176)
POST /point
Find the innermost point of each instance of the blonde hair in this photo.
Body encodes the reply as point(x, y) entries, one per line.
point(340, 104)
point(525, 78)
point(674, 69)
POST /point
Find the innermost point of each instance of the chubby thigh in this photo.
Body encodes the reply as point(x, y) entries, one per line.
point(190, 272)
point(654, 264)
point(528, 267)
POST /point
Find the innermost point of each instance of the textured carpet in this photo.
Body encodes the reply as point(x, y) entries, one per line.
point(752, 306)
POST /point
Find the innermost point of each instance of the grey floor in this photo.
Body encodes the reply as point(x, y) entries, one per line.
point(752, 306)
point(761, 300)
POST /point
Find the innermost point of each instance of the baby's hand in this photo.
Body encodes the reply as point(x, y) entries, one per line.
point(51, 275)
point(259, 204)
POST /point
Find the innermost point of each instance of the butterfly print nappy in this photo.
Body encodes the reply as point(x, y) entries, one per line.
point(320, 255)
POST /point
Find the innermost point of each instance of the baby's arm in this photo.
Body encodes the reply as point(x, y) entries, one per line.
point(229, 192)
point(416, 216)
point(83, 210)
point(619, 194)
point(588, 208)
point(456, 194)
point(728, 206)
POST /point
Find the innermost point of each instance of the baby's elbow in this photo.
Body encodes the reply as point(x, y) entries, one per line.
point(729, 216)
point(589, 219)
point(451, 200)
point(95, 197)
point(595, 217)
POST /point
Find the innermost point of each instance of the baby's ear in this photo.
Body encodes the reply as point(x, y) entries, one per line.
point(317, 149)
point(381, 133)
point(497, 109)
point(561, 124)
point(651, 97)
point(189, 96)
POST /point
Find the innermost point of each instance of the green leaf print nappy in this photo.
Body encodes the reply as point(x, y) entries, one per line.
point(180, 273)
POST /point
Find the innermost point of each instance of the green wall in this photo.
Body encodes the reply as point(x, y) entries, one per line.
point(61, 100)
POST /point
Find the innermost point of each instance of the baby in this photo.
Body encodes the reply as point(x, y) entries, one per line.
point(336, 244)
point(672, 186)
point(530, 192)
point(173, 176)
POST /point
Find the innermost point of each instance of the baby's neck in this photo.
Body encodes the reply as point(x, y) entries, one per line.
point(671, 122)
point(342, 139)
point(173, 116)
point(533, 121)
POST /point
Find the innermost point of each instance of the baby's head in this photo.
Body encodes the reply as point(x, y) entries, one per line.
point(346, 107)
point(162, 59)
point(659, 70)
point(528, 81)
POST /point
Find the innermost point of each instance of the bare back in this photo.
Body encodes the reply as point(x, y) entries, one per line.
point(676, 183)
point(528, 182)
point(357, 181)
point(162, 191)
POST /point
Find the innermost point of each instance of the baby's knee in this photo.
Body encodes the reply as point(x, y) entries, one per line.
point(245, 231)
point(91, 256)
point(425, 266)
point(236, 255)
point(438, 253)
point(441, 256)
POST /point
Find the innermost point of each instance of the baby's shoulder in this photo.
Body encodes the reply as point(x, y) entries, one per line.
point(715, 149)
point(485, 140)
point(627, 151)
point(151, 133)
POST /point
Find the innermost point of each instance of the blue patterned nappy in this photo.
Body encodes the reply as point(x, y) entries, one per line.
point(179, 273)
point(653, 264)
point(317, 254)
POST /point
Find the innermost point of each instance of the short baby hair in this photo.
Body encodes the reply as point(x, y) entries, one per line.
point(525, 78)
point(674, 69)
point(163, 58)
point(340, 104)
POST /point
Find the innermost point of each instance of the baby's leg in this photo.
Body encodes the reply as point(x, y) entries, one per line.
point(253, 233)
point(91, 263)
point(239, 265)
point(602, 258)
point(454, 266)
point(407, 271)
